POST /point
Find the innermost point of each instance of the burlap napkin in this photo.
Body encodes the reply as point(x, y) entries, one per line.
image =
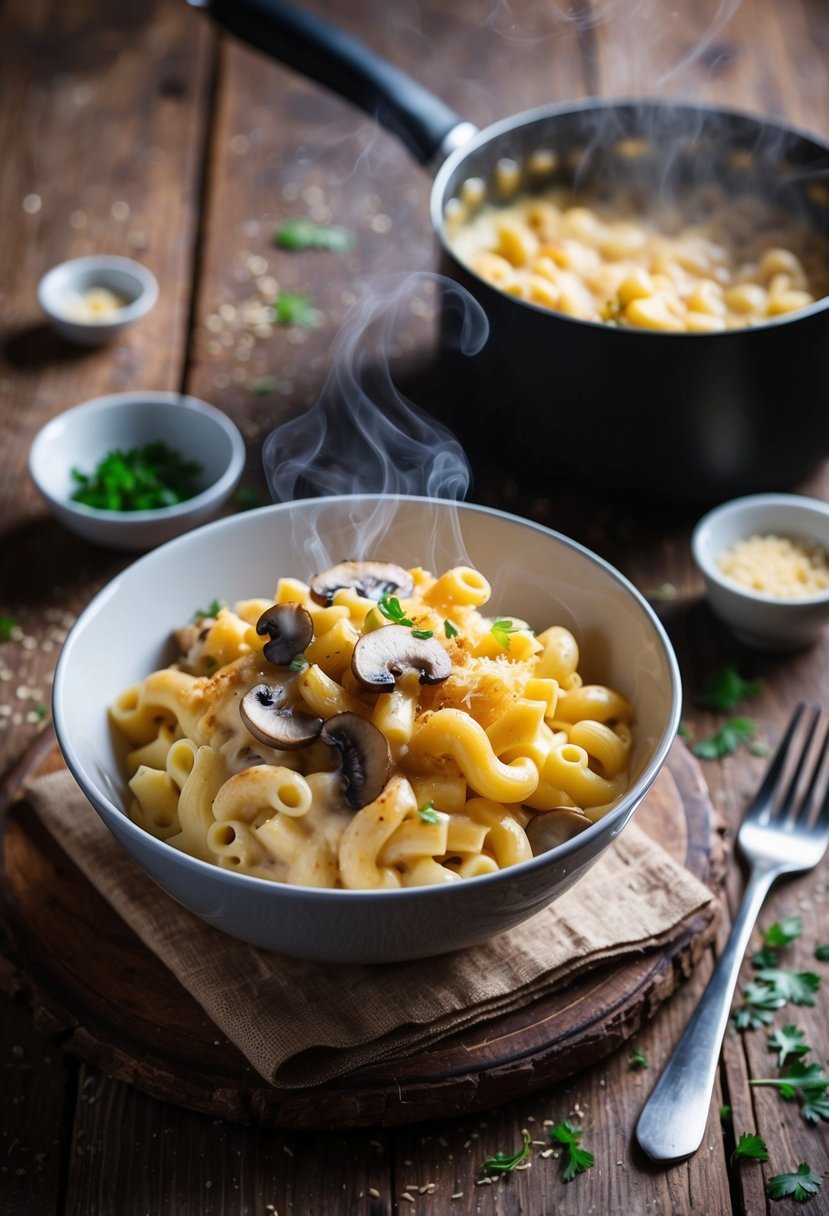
point(301, 1024)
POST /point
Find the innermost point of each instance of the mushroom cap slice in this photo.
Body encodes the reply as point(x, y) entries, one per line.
point(550, 828)
point(269, 720)
point(365, 760)
point(382, 656)
point(290, 629)
point(372, 580)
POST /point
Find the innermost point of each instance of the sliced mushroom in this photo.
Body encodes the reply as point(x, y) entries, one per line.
point(269, 720)
point(372, 580)
point(365, 761)
point(290, 628)
point(382, 656)
point(550, 828)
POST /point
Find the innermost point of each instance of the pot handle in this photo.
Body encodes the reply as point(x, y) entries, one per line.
point(327, 54)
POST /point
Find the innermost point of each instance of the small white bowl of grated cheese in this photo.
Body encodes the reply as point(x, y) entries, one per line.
point(765, 562)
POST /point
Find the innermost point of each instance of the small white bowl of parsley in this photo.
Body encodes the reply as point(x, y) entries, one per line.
point(132, 470)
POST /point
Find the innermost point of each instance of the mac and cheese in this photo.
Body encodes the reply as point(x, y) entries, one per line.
point(412, 740)
point(719, 263)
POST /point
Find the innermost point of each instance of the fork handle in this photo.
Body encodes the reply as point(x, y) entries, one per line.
point(673, 1120)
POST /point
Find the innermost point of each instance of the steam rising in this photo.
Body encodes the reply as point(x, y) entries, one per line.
point(363, 436)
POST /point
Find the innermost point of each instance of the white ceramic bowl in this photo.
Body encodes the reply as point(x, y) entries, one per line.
point(60, 287)
point(762, 621)
point(535, 572)
point(82, 436)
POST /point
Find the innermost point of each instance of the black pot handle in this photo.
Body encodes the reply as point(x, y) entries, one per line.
point(327, 54)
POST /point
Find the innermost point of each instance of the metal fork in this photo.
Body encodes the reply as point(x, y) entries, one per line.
point(785, 831)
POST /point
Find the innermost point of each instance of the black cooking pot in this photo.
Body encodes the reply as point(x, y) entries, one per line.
point(689, 416)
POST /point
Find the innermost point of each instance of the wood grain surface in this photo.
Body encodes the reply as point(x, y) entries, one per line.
point(135, 129)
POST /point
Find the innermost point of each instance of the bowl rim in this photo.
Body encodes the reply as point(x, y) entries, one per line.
point(617, 818)
point(747, 508)
point(217, 489)
point(143, 302)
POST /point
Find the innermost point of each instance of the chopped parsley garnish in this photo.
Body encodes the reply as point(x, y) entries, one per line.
point(428, 813)
point(139, 479)
point(301, 233)
point(298, 663)
point(203, 614)
point(788, 1041)
point(392, 610)
point(760, 1002)
point(291, 308)
point(795, 986)
point(733, 734)
point(801, 1185)
point(822, 954)
point(39, 712)
point(638, 1059)
point(750, 1146)
point(248, 499)
point(725, 688)
point(266, 385)
point(773, 985)
point(450, 630)
point(574, 1158)
point(501, 629)
point(725, 1114)
point(7, 627)
point(806, 1083)
point(501, 1163)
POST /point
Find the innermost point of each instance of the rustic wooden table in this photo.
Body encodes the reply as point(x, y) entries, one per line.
point(135, 129)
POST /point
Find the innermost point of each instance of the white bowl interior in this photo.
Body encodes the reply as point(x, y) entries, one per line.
point(81, 437)
point(790, 515)
point(129, 280)
point(535, 574)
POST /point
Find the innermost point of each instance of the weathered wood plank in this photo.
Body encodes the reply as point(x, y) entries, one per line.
point(102, 124)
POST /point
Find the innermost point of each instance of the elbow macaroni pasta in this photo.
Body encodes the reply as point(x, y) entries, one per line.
point(513, 732)
point(721, 263)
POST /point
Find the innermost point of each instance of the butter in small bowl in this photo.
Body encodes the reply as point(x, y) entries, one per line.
point(765, 562)
point(92, 300)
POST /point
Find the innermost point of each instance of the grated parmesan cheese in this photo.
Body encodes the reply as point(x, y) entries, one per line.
point(784, 567)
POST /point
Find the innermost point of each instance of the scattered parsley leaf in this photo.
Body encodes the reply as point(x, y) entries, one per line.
point(725, 1114)
point(501, 629)
point(504, 1163)
point(144, 478)
point(575, 1159)
point(40, 712)
point(795, 986)
point(788, 1041)
point(759, 1004)
point(428, 813)
point(638, 1059)
point(300, 233)
point(733, 734)
point(298, 663)
point(212, 609)
point(822, 954)
point(783, 932)
point(751, 1146)
point(422, 634)
point(450, 630)
point(265, 385)
point(801, 1185)
point(7, 626)
point(392, 610)
point(248, 499)
point(684, 731)
point(664, 592)
point(724, 689)
point(291, 308)
point(807, 1083)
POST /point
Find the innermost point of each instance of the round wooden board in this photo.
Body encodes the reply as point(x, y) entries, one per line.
point(93, 984)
